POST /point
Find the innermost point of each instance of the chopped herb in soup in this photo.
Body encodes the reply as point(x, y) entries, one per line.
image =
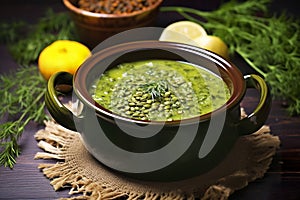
point(160, 90)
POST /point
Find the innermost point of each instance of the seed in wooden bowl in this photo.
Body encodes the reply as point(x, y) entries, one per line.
point(115, 6)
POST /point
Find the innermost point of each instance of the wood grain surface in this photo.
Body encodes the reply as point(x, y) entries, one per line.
point(26, 181)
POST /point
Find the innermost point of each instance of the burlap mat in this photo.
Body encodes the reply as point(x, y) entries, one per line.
point(77, 169)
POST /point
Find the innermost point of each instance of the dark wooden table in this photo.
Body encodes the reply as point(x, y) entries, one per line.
point(26, 181)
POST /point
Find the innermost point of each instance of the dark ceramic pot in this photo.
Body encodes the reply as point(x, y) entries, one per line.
point(157, 150)
point(93, 28)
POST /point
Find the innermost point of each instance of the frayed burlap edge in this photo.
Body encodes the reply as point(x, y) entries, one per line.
point(90, 180)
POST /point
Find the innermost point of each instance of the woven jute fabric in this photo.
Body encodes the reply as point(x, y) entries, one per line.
point(87, 178)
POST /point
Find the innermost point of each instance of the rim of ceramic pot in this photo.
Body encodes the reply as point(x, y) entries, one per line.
point(85, 77)
point(79, 11)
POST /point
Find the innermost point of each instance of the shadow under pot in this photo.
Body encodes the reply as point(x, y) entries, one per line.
point(156, 148)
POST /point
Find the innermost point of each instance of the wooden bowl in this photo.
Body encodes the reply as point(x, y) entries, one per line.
point(93, 28)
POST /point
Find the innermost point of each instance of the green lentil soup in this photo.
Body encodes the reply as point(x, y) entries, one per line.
point(160, 90)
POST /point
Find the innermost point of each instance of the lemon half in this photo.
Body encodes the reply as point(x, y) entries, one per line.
point(188, 32)
point(214, 44)
point(183, 32)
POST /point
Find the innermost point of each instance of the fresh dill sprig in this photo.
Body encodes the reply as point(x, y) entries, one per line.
point(156, 89)
point(11, 31)
point(26, 47)
point(21, 102)
point(269, 43)
point(22, 91)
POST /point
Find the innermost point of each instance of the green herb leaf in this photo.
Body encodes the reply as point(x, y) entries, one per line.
point(25, 50)
point(270, 44)
point(22, 93)
point(157, 89)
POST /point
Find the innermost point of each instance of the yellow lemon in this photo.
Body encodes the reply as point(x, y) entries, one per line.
point(182, 32)
point(62, 55)
point(214, 44)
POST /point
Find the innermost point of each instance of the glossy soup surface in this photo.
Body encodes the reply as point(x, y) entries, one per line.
point(160, 90)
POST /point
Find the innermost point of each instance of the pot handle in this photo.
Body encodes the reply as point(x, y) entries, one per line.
point(258, 117)
point(60, 83)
